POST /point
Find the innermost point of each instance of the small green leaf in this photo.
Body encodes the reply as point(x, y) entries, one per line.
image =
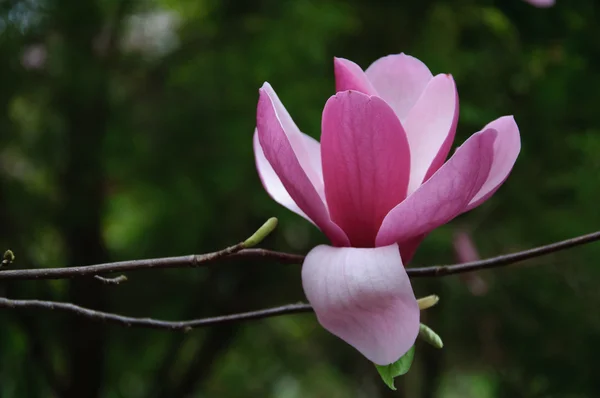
point(261, 233)
point(430, 336)
point(398, 368)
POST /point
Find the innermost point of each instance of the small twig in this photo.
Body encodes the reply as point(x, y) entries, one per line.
point(191, 261)
point(154, 323)
point(237, 251)
point(500, 261)
point(111, 281)
point(269, 312)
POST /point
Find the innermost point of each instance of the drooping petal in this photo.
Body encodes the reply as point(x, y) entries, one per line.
point(349, 76)
point(364, 297)
point(271, 181)
point(506, 150)
point(400, 80)
point(366, 163)
point(445, 195)
point(278, 150)
point(430, 127)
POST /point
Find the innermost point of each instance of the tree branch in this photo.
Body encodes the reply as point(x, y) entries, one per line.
point(190, 261)
point(154, 323)
point(503, 260)
point(238, 252)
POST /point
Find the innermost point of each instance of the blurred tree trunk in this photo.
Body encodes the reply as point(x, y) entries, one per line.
point(83, 104)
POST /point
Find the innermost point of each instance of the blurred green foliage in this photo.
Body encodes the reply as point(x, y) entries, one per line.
point(125, 132)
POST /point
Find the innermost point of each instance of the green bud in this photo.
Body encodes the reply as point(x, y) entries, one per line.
point(261, 233)
point(8, 258)
point(430, 336)
point(428, 302)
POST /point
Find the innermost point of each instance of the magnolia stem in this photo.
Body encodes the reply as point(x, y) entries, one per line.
point(190, 261)
point(238, 252)
point(235, 251)
point(154, 323)
point(503, 260)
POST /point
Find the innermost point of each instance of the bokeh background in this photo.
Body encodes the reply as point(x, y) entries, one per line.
point(125, 132)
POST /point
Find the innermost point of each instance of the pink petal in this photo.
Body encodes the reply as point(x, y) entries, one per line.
point(349, 76)
point(364, 297)
point(365, 163)
point(274, 131)
point(306, 148)
point(409, 247)
point(430, 127)
point(506, 150)
point(445, 195)
point(541, 3)
point(271, 181)
point(400, 80)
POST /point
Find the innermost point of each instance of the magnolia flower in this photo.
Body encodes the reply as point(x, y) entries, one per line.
point(541, 3)
point(376, 185)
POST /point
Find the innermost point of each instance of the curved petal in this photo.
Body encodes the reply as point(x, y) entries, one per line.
point(364, 297)
point(445, 195)
point(349, 76)
point(303, 145)
point(506, 150)
point(282, 156)
point(366, 163)
point(313, 151)
point(271, 181)
point(430, 128)
point(400, 80)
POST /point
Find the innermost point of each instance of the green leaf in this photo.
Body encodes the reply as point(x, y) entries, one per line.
point(430, 336)
point(398, 368)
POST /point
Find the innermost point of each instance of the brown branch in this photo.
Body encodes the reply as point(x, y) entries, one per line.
point(503, 260)
point(190, 261)
point(154, 323)
point(269, 312)
point(238, 252)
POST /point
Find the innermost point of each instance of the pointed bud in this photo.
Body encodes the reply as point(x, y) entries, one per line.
point(428, 302)
point(430, 336)
point(8, 258)
point(261, 233)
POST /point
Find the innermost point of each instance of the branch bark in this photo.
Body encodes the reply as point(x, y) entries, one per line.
point(238, 252)
point(154, 323)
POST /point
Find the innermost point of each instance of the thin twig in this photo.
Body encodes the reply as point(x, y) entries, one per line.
point(500, 261)
point(154, 323)
point(237, 252)
point(276, 311)
point(122, 266)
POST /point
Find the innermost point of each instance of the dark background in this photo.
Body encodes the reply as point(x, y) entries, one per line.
point(125, 132)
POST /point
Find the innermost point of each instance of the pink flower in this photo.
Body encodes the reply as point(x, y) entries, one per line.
point(376, 186)
point(541, 3)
